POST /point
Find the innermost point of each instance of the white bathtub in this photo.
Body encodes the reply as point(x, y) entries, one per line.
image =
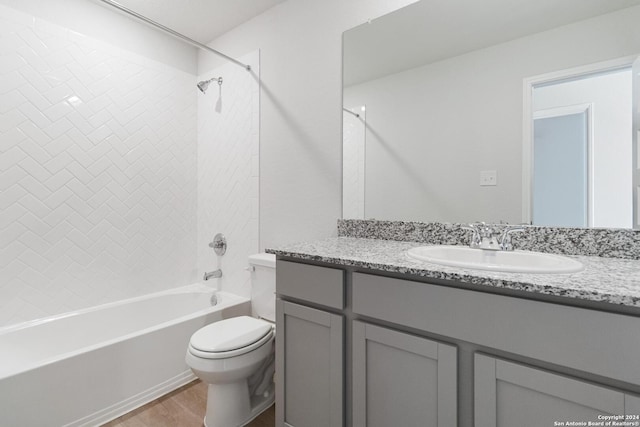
point(88, 367)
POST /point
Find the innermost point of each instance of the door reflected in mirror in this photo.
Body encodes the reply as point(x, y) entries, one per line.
point(561, 170)
point(450, 114)
point(582, 150)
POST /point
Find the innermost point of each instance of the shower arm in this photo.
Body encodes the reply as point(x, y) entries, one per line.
point(173, 33)
point(204, 85)
point(346, 110)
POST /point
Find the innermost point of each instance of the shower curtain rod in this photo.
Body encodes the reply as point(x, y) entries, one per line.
point(346, 110)
point(173, 33)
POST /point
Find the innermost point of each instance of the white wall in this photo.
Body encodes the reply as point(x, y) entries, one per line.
point(464, 115)
point(97, 164)
point(228, 172)
point(301, 121)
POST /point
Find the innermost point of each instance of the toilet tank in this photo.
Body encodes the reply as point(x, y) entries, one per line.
point(263, 285)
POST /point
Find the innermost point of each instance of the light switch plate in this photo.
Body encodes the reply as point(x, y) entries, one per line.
point(488, 178)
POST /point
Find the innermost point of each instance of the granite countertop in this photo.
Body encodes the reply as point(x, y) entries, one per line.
point(606, 280)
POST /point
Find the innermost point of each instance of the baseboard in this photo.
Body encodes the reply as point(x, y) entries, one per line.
point(114, 411)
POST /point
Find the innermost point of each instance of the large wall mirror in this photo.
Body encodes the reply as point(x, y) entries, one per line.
point(498, 110)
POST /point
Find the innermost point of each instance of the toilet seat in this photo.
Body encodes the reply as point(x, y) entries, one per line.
point(230, 337)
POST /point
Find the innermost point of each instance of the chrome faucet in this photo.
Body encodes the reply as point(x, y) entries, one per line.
point(212, 275)
point(475, 234)
point(505, 238)
point(488, 238)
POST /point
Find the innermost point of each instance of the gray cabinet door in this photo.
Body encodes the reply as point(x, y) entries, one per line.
point(402, 380)
point(509, 394)
point(309, 367)
point(632, 408)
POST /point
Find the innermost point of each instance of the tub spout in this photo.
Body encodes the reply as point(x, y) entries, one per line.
point(212, 274)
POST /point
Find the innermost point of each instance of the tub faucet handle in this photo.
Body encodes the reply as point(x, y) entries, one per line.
point(219, 244)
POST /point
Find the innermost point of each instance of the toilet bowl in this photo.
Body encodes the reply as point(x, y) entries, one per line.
point(235, 356)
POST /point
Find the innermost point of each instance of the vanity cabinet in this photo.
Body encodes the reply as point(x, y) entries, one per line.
point(414, 353)
point(309, 347)
point(509, 394)
point(597, 342)
point(401, 379)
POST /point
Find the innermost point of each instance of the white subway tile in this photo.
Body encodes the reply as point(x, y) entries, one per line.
point(34, 188)
point(58, 163)
point(35, 115)
point(11, 157)
point(11, 80)
point(11, 100)
point(58, 128)
point(29, 204)
point(11, 177)
point(98, 171)
point(57, 111)
point(12, 213)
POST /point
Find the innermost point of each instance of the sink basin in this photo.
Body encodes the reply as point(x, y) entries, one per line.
point(506, 261)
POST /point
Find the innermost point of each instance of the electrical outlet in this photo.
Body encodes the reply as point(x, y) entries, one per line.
point(488, 178)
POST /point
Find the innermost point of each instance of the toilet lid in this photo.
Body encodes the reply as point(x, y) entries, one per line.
point(230, 334)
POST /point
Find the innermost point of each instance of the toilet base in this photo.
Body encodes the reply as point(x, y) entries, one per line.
point(229, 405)
point(261, 404)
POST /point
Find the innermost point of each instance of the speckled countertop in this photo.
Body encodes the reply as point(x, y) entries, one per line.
point(605, 280)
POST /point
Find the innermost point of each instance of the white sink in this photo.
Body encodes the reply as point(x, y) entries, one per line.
point(507, 261)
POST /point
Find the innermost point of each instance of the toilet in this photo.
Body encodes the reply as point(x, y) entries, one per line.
point(235, 356)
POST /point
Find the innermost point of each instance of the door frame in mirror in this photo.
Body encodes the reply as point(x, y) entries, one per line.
point(527, 118)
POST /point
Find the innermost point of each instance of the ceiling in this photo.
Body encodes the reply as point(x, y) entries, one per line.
point(201, 20)
point(432, 30)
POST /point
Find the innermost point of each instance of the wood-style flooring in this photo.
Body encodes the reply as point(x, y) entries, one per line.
point(184, 407)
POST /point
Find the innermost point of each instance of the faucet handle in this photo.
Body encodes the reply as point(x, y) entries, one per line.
point(219, 244)
point(505, 238)
point(475, 237)
point(477, 226)
point(513, 229)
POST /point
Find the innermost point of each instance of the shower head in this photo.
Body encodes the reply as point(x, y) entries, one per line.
point(203, 85)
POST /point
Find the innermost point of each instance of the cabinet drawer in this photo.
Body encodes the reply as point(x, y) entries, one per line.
point(320, 285)
point(602, 343)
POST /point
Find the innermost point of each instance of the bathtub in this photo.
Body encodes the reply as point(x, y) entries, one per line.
point(89, 367)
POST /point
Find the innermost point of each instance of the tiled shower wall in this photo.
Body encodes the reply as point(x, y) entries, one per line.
point(228, 172)
point(98, 181)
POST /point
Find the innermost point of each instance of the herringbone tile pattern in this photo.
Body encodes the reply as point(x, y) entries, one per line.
point(98, 182)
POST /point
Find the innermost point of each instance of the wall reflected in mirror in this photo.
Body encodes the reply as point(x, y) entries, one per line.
point(452, 112)
point(354, 122)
